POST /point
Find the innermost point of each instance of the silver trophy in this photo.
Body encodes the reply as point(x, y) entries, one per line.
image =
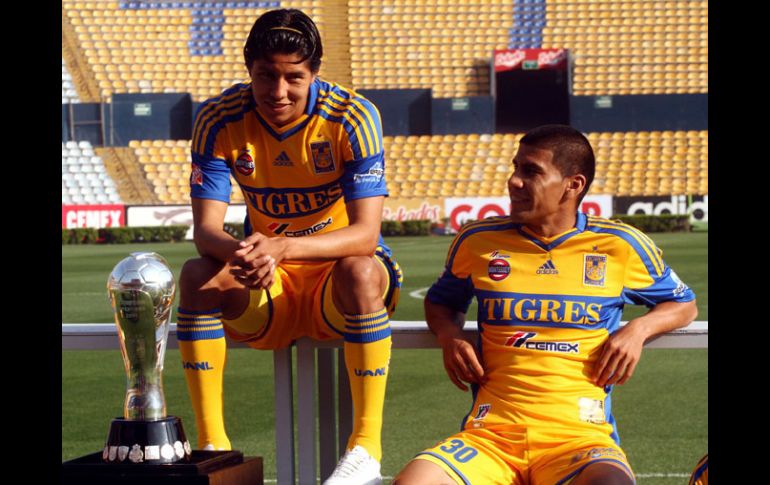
point(141, 289)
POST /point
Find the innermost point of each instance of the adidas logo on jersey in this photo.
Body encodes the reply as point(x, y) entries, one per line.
point(547, 268)
point(282, 160)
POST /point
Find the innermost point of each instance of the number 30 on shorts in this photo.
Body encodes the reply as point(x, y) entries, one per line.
point(459, 451)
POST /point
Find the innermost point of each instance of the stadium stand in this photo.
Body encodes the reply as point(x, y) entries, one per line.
point(165, 164)
point(84, 177)
point(641, 47)
point(156, 47)
point(472, 165)
point(645, 47)
point(425, 44)
point(68, 93)
point(632, 163)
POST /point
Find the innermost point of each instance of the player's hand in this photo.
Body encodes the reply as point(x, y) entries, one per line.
point(620, 354)
point(462, 362)
point(254, 248)
point(261, 277)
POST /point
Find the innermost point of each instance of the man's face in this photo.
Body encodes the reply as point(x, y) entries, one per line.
point(281, 86)
point(536, 187)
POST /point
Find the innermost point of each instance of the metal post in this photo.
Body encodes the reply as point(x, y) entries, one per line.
point(284, 416)
point(306, 413)
point(344, 404)
point(327, 422)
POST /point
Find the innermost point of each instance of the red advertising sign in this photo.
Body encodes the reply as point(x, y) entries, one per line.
point(96, 216)
point(510, 59)
point(460, 210)
point(398, 209)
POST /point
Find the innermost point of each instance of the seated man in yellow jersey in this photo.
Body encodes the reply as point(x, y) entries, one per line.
point(551, 284)
point(308, 156)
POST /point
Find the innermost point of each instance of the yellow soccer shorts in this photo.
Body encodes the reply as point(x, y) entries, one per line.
point(519, 455)
point(299, 304)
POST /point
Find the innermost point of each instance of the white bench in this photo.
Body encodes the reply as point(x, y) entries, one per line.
point(334, 419)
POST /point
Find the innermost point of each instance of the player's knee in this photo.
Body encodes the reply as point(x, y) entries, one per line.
point(604, 474)
point(357, 273)
point(420, 472)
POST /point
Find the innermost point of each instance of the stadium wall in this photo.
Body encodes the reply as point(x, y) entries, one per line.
point(149, 117)
point(452, 116)
point(65, 125)
point(639, 112)
point(82, 122)
point(403, 111)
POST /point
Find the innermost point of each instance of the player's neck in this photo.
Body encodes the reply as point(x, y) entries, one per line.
point(553, 225)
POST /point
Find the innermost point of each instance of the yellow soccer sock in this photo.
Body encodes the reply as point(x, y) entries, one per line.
point(201, 339)
point(367, 357)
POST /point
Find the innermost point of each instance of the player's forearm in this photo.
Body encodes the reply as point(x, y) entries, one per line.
point(445, 323)
point(664, 317)
point(214, 243)
point(353, 240)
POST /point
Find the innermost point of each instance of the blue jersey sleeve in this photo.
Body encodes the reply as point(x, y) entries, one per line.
point(451, 291)
point(210, 176)
point(364, 178)
point(210, 179)
point(667, 287)
point(364, 172)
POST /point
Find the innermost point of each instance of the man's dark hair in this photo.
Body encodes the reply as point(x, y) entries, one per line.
point(572, 153)
point(284, 31)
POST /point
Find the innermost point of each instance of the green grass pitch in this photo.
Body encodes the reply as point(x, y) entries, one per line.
point(662, 412)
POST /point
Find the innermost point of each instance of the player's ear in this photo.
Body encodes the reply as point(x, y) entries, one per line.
point(575, 185)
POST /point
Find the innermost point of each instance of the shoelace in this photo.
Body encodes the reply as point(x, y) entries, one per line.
point(348, 465)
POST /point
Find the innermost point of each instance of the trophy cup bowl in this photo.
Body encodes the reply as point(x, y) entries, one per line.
point(141, 289)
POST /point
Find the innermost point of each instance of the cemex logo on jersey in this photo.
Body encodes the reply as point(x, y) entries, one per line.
point(197, 365)
point(522, 339)
point(518, 338)
point(282, 160)
point(366, 372)
point(244, 163)
point(280, 228)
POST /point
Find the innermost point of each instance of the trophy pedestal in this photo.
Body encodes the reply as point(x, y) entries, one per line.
point(204, 468)
point(155, 442)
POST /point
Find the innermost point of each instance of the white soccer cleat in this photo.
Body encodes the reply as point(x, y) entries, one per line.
point(357, 467)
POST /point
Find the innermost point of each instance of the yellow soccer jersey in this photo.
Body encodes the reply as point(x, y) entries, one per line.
point(296, 178)
point(546, 306)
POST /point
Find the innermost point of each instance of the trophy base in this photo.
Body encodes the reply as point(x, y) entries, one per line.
point(204, 467)
point(135, 442)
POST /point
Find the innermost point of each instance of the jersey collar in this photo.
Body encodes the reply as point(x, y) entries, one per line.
point(547, 244)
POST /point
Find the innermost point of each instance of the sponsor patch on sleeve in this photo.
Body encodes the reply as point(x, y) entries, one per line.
point(196, 177)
